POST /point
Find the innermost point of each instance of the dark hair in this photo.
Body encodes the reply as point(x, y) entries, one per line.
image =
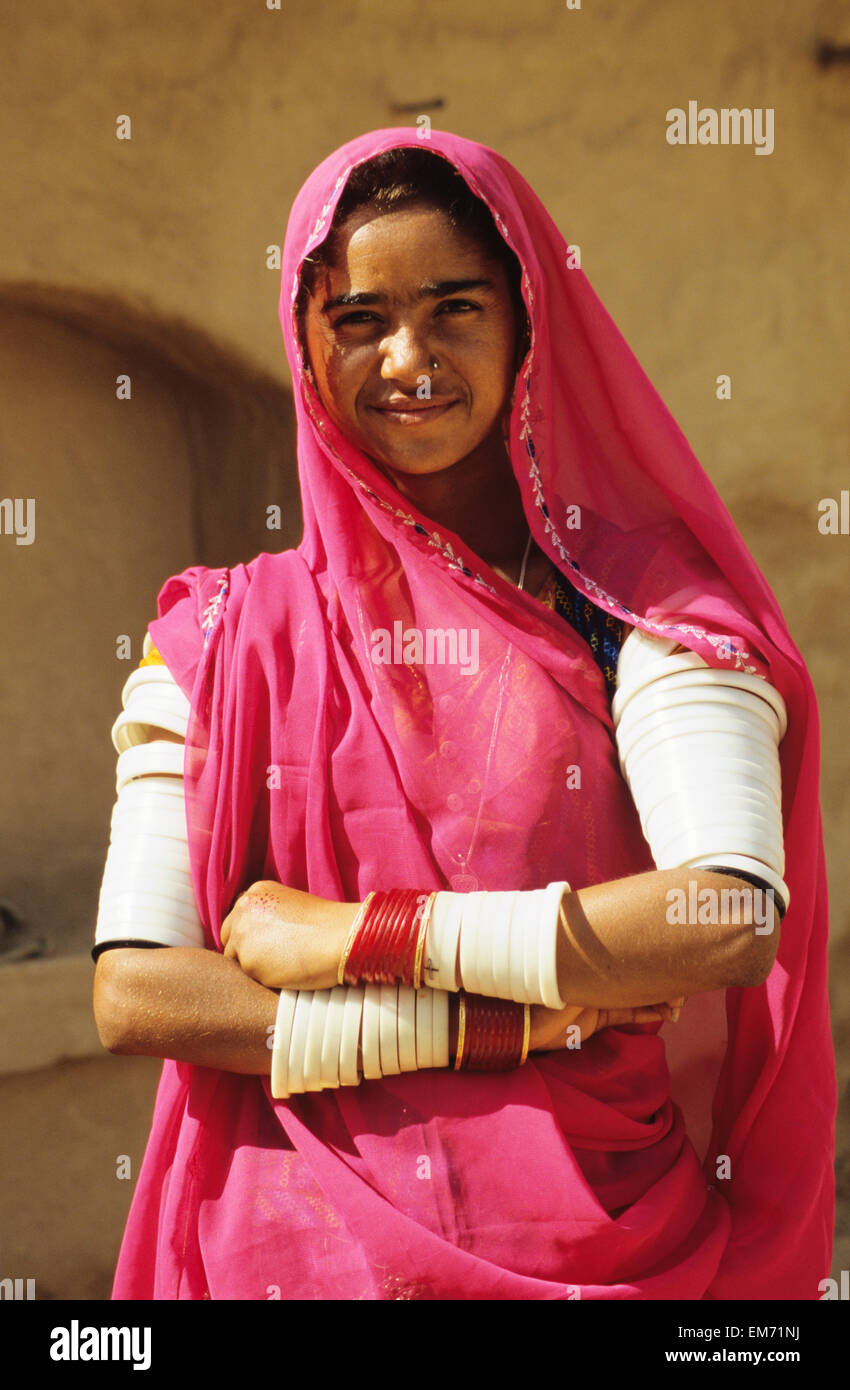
point(399, 178)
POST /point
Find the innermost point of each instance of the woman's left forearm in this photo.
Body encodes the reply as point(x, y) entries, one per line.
point(659, 935)
point(622, 944)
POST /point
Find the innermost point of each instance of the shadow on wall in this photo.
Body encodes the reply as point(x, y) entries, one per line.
point(131, 449)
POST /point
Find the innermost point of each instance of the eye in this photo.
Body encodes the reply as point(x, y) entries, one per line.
point(356, 316)
point(462, 304)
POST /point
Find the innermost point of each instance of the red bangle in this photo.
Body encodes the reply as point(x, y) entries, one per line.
point(371, 931)
point(388, 942)
point(494, 1034)
point(396, 930)
point(362, 943)
point(364, 940)
point(392, 934)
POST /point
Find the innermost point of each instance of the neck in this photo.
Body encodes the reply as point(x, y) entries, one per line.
point(479, 499)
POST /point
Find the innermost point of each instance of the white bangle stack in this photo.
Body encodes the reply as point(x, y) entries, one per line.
point(699, 750)
point(320, 1036)
point(152, 699)
point(146, 893)
point(499, 944)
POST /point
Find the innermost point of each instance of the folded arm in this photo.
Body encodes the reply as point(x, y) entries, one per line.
point(618, 947)
point(195, 1005)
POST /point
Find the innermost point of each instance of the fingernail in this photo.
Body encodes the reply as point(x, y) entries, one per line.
point(674, 1016)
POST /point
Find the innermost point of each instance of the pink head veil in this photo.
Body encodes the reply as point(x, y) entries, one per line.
point(309, 763)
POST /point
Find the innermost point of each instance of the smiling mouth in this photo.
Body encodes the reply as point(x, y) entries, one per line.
point(413, 412)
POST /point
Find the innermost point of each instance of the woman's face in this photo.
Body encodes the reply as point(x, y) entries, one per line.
point(407, 291)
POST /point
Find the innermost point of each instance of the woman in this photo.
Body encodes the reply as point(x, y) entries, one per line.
point(468, 420)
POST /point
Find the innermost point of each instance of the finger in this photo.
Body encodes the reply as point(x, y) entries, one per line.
point(645, 1013)
point(671, 1012)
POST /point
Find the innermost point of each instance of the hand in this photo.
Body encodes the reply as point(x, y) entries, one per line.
point(549, 1027)
point(286, 939)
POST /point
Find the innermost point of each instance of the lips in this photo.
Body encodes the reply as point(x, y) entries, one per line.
point(408, 403)
point(415, 411)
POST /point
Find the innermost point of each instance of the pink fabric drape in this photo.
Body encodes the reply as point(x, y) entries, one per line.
point(573, 1176)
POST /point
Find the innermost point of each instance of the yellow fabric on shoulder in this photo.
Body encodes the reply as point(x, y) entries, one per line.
point(151, 656)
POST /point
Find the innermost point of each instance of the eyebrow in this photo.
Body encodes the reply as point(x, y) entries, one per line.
point(427, 291)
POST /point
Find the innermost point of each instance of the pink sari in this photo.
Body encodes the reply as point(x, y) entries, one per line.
point(573, 1176)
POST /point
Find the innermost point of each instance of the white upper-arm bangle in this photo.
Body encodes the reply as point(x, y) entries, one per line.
point(146, 892)
point(152, 699)
point(699, 749)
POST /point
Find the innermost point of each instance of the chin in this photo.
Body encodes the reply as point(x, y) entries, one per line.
point(426, 457)
point(420, 467)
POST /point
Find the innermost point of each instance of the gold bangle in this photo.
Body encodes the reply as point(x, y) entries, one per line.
point(349, 940)
point(461, 1028)
point(526, 1032)
point(420, 942)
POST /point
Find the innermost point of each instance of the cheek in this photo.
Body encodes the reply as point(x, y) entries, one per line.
point(339, 379)
point(494, 372)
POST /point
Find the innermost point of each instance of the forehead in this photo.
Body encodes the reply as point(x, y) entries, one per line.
point(396, 251)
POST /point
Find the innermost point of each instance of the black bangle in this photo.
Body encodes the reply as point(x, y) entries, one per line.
point(110, 945)
point(748, 878)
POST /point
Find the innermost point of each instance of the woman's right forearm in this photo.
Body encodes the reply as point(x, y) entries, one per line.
point(190, 1004)
point(194, 1005)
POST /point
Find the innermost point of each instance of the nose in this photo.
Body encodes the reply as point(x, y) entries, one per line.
point(405, 355)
